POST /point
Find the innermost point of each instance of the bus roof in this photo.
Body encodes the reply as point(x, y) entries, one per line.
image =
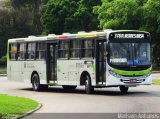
point(81, 34)
point(29, 39)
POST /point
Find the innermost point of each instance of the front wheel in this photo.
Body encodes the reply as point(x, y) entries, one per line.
point(123, 89)
point(89, 89)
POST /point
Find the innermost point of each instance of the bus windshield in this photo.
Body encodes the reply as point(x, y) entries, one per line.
point(129, 54)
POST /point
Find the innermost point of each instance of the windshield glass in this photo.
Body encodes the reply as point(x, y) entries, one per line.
point(129, 53)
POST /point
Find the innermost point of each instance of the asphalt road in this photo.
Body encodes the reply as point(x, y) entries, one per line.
point(142, 99)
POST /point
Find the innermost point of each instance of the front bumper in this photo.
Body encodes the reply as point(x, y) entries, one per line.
point(128, 81)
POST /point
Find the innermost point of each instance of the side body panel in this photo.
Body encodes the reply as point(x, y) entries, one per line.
point(21, 71)
point(69, 71)
point(28, 67)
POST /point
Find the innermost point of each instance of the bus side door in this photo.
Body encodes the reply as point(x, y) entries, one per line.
point(100, 62)
point(52, 61)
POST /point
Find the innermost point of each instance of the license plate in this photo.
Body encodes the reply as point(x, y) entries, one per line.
point(133, 80)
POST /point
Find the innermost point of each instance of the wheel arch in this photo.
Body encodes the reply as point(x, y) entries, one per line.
point(34, 72)
point(83, 77)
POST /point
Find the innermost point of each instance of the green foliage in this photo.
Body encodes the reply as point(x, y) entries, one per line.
point(151, 23)
point(119, 14)
point(85, 19)
point(129, 14)
point(31, 19)
point(19, 18)
point(54, 15)
point(3, 61)
point(151, 12)
point(3, 69)
point(68, 16)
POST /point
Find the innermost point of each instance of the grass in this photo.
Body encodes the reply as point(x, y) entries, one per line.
point(156, 82)
point(11, 106)
point(3, 70)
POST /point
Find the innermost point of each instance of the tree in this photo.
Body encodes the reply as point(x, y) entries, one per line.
point(68, 16)
point(56, 14)
point(151, 16)
point(5, 25)
point(33, 8)
point(119, 14)
point(19, 18)
point(151, 23)
point(84, 15)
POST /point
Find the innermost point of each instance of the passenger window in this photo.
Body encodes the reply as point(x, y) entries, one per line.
point(63, 49)
point(13, 51)
point(21, 51)
point(40, 50)
point(31, 50)
point(88, 48)
point(75, 48)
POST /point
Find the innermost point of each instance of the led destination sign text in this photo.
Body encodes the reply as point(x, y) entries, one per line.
point(129, 36)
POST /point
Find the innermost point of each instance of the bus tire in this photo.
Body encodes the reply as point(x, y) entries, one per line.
point(123, 89)
point(88, 87)
point(66, 87)
point(36, 82)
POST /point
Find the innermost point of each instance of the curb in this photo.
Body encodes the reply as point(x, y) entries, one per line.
point(156, 72)
point(28, 113)
point(3, 74)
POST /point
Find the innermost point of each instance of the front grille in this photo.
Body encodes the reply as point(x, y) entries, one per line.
point(132, 75)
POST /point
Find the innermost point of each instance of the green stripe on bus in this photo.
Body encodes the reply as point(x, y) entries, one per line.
point(8, 52)
point(93, 67)
point(131, 73)
point(58, 68)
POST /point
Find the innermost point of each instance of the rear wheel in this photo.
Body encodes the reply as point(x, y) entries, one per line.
point(123, 89)
point(66, 87)
point(36, 83)
point(89, 89)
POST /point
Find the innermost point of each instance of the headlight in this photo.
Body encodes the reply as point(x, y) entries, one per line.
point(114, 74)
point(145, 76)
point(119, 76)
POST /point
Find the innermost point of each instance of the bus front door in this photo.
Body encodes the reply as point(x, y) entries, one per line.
point(100, 62)
point(52, 62)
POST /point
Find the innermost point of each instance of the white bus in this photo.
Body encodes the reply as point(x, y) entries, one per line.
point(110, 58)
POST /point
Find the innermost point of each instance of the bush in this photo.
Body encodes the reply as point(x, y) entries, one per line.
point(3, 61)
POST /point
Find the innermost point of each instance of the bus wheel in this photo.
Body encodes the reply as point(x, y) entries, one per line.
point(66, 87)
point(36, 83)
point(89, 89)
point(123, 89)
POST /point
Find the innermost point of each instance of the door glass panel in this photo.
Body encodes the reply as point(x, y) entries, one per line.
point(101, 61)
point(52, 57)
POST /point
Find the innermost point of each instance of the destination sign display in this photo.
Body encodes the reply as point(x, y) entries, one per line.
point(128, 35)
